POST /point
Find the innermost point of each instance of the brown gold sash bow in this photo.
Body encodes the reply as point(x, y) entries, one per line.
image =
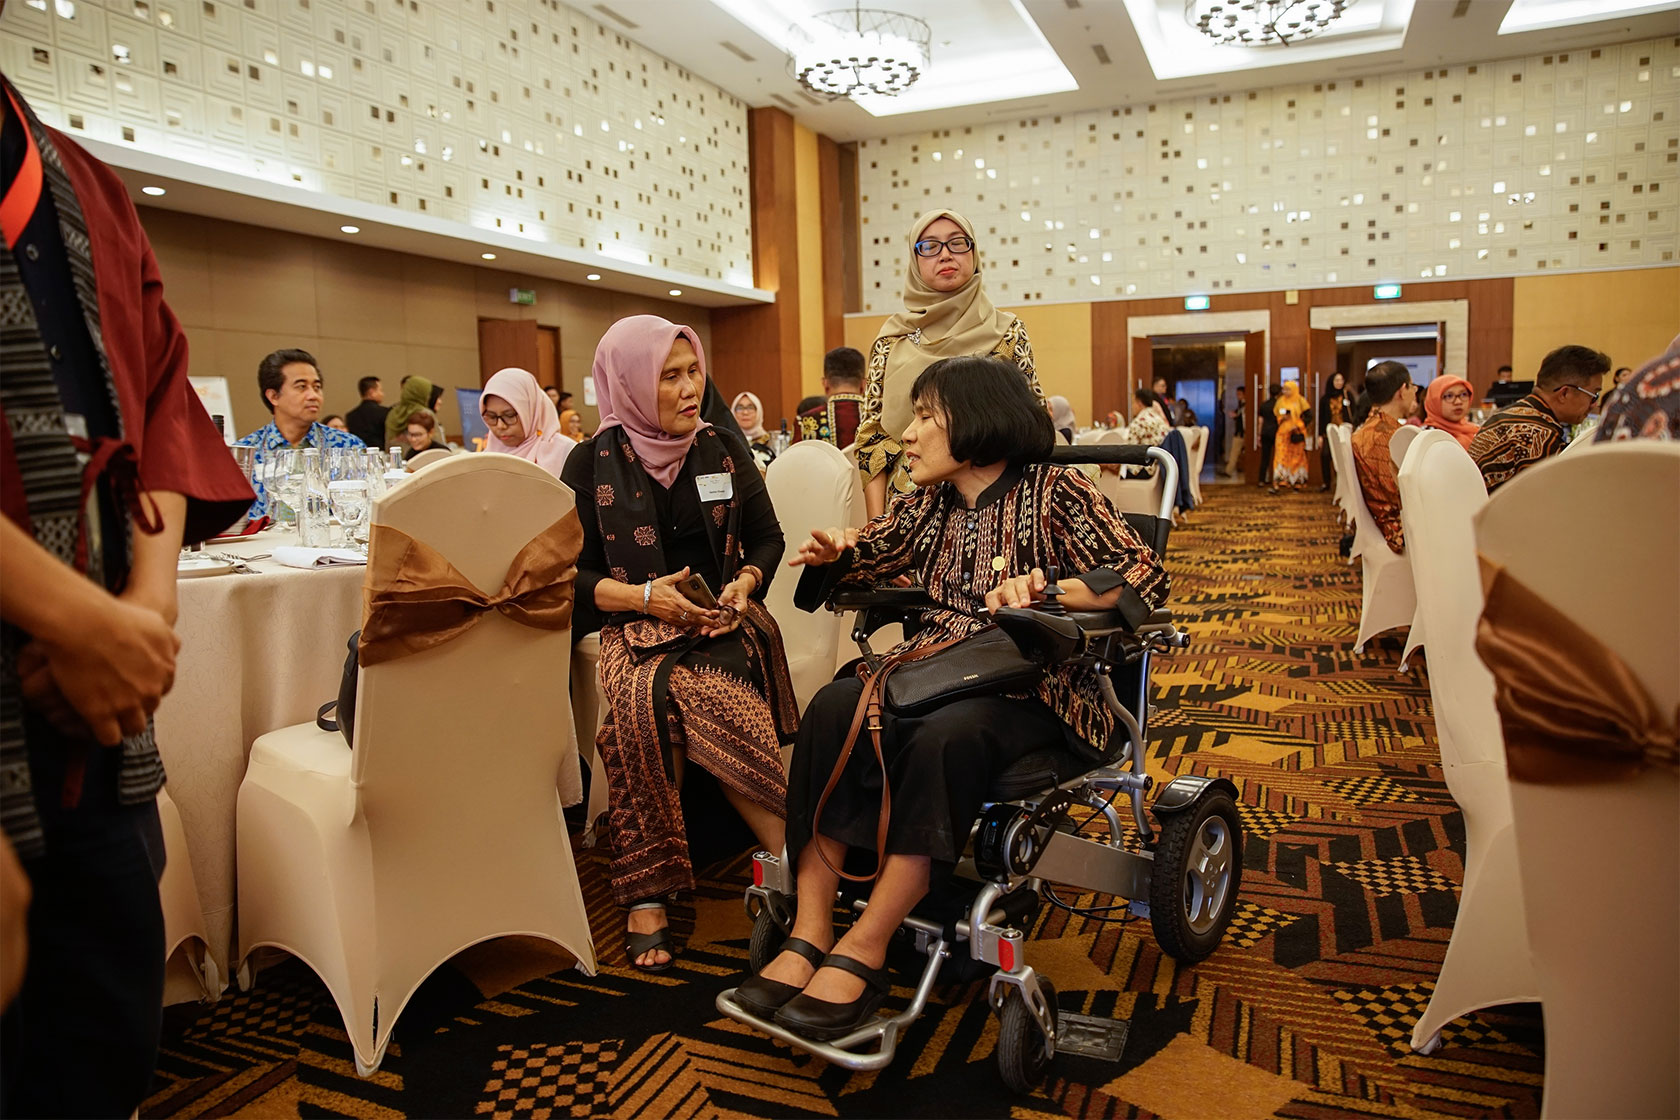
point(416, 599)
point(1571, 708)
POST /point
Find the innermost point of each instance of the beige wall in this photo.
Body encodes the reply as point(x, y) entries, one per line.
point(1061, 342)
point(1631, 315)
point(242, 291)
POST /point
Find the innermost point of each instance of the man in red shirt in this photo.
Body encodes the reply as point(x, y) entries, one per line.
point(108, 462)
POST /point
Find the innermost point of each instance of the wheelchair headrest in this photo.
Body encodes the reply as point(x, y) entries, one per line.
point(1108, 454)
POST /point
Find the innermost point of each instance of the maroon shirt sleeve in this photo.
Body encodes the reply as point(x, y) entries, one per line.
point(178, 446)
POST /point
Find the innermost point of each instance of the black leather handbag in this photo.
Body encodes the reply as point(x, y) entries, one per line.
point(986, 663)
point(346, 702)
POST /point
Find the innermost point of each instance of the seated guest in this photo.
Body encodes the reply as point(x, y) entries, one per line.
point(977, 444)
point(1446, 405)
point(521, 420)
point(1389, 388)
point(419, 435)
point(553, 393)
point(290, 382)
point(571, 424)
point(336, 422)
point(367, 420)
point(1537, 427)
point(415, 394)
point(432, 400)
point(836, 414)
point(749, 413)
point(671, 497)
point(1061, 415)
point(1646, 405)
point(1149, 419)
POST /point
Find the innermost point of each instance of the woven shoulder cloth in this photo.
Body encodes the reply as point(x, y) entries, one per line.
point(417, 599)
point(1571, 708)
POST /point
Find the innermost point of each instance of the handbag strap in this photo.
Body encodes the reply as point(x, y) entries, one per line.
point(869, 709)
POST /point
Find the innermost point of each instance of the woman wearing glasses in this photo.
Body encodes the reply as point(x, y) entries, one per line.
point(946, 314)
point(1446, 406)
point(522, 420)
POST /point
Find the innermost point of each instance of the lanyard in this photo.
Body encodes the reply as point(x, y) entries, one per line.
point(25, 192)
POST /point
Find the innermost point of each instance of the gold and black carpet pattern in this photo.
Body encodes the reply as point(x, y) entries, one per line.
point(1354, 852)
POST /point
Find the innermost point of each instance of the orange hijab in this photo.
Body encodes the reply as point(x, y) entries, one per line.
point(1461, 430)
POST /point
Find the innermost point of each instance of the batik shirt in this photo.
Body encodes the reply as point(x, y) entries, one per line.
point(1515, 438)
point(268, 438)
point(1646, 405)
point(1374, 466)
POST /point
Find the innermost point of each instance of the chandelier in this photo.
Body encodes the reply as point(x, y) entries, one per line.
point(859, 50)
point(1260, 23)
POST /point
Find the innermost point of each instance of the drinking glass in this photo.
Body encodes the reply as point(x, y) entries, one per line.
point(284, 483)
point(350, 506)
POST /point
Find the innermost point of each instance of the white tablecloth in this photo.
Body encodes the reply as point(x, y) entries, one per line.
point(259, 652)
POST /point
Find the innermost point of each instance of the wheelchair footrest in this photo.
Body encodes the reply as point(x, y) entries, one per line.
point(1088, 1037)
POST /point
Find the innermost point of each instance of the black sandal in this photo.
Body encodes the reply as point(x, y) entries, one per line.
point(636, 944)
point(763, 997)
point(822, 1021)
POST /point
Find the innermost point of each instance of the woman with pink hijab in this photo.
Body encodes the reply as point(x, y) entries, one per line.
point(687, 679)
point(522, 420)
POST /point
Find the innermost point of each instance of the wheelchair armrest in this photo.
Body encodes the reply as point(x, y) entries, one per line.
point(1048, 639)
point(1098, 624)
point(892, 598)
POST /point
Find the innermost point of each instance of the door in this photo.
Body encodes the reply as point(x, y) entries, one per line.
point(1254, 368)
point(1321, 365)
point(1142, 372)
point(547, 368)
point(506, 342)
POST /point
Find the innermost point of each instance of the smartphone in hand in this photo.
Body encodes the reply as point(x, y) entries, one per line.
point(694, 589)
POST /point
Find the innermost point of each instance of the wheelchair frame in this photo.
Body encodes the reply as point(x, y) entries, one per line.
point(1021, 844)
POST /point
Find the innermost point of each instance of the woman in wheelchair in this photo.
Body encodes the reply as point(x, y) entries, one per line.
point(989, 515)
point(684, 676)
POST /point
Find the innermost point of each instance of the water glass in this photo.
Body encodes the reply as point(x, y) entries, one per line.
point(350, 505)
point(283, 480)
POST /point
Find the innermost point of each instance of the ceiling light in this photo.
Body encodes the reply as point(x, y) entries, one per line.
point(153, 191)
point(858, 50)
point(1261, 23)
point(676, 291)
point(488, 256)
point(593, 276)
point(349, 229)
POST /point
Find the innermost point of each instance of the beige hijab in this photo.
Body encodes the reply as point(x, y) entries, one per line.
point(953, 324)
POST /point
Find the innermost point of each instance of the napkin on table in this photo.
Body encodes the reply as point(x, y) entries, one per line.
point(296, 556)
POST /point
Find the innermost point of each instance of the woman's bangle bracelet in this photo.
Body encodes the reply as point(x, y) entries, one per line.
point(647, 595)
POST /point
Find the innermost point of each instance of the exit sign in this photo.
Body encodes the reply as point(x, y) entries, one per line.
point(524, 296)
point(1386, 291)
point(1196, 303)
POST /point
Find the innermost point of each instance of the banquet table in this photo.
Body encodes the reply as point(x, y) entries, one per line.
point(260, 650)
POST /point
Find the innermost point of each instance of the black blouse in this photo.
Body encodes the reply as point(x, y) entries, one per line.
point(682, 533)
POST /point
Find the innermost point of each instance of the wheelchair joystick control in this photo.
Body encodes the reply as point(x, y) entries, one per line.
point(1052, 603)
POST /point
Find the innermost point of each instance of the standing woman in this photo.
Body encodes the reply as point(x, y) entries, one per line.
point(683, 683)
point(1334, 407)
point(946, 314)
point(521, 420)
point(1289, 468)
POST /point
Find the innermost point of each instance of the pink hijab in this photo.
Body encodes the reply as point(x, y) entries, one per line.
point(627, 365)
point(543, 445)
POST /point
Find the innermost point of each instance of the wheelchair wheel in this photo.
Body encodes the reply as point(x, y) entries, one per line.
point(1198, 870)
point(765, 943)
point(1023, 1054)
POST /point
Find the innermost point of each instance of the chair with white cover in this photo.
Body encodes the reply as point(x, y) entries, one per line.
point(1388, 600)
point(589, 712)
point(1400, 441)
point(427, 458)
point(1598, 855)
point(1340, 437)
point(1130, 495)
point(813, 485)
point(1487, 960)
point(442, 829)
point(1196, 444)
point(190, 972)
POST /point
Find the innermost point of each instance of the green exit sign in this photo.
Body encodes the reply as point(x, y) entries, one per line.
point(522, 296)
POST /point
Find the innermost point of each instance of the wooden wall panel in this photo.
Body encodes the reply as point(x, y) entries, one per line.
point(834, 237)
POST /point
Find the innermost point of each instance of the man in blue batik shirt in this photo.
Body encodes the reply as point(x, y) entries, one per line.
point(290, 381)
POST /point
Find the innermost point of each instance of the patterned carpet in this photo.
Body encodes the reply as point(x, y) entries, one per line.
point(1354, 851)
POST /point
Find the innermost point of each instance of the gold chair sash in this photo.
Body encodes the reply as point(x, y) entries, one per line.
point(1571, 708)
point(416, 599)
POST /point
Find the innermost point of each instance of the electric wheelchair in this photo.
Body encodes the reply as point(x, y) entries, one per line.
point(1183, 871)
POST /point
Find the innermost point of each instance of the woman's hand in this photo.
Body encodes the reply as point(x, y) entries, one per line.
point(1017, 591)
point(668, 604)
point(824, 547)
point(732, 604)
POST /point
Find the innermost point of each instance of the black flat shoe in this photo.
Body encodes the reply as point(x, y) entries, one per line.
point(763, 997)
point(636, 944)
point(821, 1021)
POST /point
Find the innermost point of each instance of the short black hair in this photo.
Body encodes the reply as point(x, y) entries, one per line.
point(1242, 388)
point(1277, 388)
point(366, 385)
point(843, 363)
point(1569, 364)
point(271, 371)
point(807, 404)
point(564, 396)
point(990, 411)
point(1144, 396)
point(1502, 369)
point(1384, 380)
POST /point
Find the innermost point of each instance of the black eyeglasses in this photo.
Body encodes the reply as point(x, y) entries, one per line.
point(1592, 394)
point(500, 419)
point(931, 247)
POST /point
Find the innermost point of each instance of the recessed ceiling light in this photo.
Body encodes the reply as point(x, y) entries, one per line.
point(593, 276)
point(488, 256)
point(153, 191)
point(349, 229)
point(676, 291)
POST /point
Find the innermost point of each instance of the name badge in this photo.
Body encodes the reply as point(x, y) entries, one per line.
point(715, 487)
